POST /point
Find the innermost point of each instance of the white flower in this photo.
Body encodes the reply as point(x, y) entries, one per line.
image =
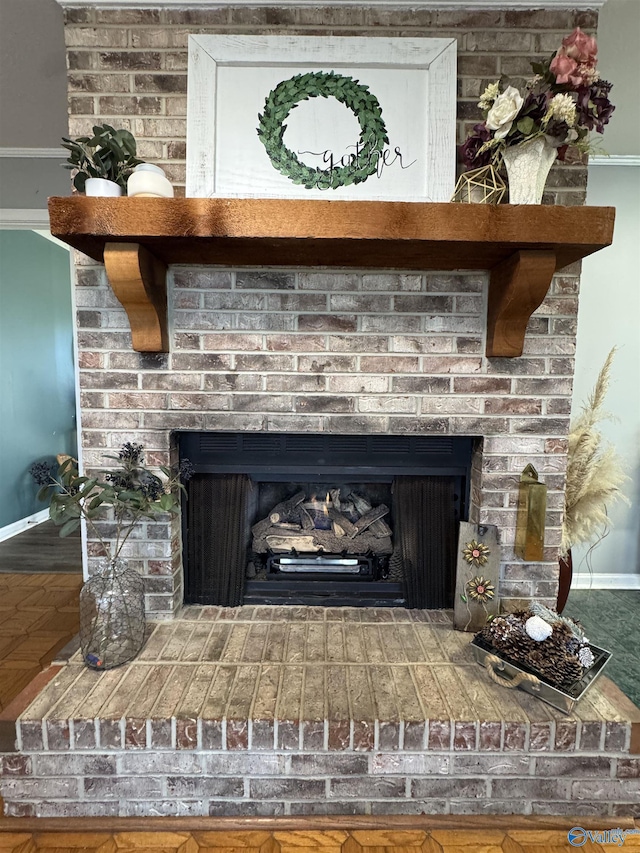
point(489, 95)
point(537, 628)
point(585, 656)
point(562, 108)
point(589, 73)
point(501, 115)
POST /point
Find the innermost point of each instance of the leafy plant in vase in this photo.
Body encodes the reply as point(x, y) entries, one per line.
point(594, 477)
point(562, 103)
point(103, 162)
point(112, 621)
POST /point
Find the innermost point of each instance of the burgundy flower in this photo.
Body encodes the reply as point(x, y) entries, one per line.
point(593, 107)
point(470, 148)
point(535, 105)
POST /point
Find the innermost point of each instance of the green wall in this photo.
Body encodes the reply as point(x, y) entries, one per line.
point(37, 388)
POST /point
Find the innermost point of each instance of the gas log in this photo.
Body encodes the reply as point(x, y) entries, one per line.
point(333, 526)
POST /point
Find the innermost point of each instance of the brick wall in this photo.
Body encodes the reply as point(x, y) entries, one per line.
point(308, 349)
point(114, 783)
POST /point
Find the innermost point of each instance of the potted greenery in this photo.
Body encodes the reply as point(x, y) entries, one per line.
point(112, 620)
point(103, 162)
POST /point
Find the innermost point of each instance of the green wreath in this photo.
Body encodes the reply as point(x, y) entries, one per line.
point(286, 97)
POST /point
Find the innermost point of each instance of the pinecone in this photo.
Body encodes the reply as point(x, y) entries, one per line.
point(519, 644)
point(555, 659)
point(507, 634)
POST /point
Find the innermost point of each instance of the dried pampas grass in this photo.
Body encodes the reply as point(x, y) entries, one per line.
point(594, 471)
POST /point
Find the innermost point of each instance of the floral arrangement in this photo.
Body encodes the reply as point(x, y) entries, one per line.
point(594, 471)
point(553, 646)
point(131, 491)
point(564, 101)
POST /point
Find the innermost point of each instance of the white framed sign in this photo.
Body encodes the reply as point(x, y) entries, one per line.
point(303, 117)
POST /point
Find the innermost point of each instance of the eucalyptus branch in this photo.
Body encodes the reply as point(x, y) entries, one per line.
point(131, 490)
point(109, 154)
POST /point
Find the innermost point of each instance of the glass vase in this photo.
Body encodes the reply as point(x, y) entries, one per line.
point(528, 166)
point(112, 619)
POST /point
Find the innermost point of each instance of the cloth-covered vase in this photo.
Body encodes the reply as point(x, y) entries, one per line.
point(112, 619)
point(528, 166)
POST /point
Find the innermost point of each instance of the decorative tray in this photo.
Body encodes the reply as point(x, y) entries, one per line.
point(564, 698)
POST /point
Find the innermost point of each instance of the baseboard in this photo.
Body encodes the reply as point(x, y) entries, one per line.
point(23, 524)
point(585, 580)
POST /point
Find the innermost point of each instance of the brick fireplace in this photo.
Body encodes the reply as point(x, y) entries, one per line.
point(337, 351)
point(316, 710)
point(334, 352)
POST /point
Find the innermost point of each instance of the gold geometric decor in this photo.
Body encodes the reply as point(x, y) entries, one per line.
point(480, 186)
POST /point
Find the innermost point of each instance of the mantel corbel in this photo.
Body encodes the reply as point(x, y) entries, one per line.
point(139, 281)
point(517, 286)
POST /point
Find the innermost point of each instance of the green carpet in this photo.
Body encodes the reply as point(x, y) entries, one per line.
point(611, 620)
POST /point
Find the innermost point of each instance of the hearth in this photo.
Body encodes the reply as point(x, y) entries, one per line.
point(345, 520)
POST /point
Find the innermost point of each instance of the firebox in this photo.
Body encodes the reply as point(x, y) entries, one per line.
point(333, 520)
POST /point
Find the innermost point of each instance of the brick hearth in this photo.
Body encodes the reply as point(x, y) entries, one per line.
point(296, 710)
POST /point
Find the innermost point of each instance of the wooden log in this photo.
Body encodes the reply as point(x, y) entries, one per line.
point(342, 521)
point(286, 508)
point(361, 504)
point(282, 542)
point(337, 530)
point(369, 517)
point(321, 541)
point(260, 528)
point(283, 511)
point(306, 522)
point(378, 527)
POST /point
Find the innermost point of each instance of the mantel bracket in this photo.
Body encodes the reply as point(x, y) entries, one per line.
point(139, 281)
point(517, 287)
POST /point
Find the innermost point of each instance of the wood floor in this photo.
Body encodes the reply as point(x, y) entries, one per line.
point(40, 549)
point(38, 617)
point(449, 835)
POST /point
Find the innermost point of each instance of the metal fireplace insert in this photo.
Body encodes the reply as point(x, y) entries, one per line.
point(333, 520)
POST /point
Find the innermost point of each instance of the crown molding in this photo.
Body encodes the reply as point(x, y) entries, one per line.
point(24, 219)
point(615, 160)
point(441, 5)
point(31, 153)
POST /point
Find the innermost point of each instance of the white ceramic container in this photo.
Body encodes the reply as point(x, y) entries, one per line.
point(102, 187)
point(148, 179)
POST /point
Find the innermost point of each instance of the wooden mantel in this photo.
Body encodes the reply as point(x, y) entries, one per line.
point(521, 246)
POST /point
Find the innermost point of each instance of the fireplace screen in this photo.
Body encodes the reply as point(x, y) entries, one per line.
point(343, 532)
